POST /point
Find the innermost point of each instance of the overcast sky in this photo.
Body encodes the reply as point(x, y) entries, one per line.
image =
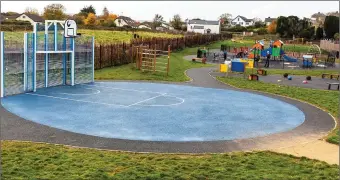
point(145, 10)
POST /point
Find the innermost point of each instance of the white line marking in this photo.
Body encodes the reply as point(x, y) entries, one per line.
point(97, 92)
point(122, 89)
point(75, 100)
point(155, 105)
point(146, 100)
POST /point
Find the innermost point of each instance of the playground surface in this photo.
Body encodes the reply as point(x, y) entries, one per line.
point(315, 83)
point(16, 128)
point(155, 112)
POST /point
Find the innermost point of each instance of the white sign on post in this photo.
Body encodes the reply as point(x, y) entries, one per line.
point(70, 28)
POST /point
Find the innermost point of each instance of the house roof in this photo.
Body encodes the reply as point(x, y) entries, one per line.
point(269, 19)
point(2, 17)
point(34, 17)
point(128, 20)
point(148, 24)
point(203, 22)
point(243, 18)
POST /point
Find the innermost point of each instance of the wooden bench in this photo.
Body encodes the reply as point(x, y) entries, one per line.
point(262, 72)
point(331, 76)
point(330, 84)
point(203, 60)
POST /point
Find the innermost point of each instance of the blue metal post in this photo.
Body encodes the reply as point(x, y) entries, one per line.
point(2, 64)
point(25, 61)
point(55, 36)
point(46, 62)
point(64, 61)
point(34, 62)
point(93, 59)
point(72, 61)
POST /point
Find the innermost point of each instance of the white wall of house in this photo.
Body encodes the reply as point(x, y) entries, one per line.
point(23, 17)
point(143, 27)
point(241, 22)
point(121, 24)
point(203, 28)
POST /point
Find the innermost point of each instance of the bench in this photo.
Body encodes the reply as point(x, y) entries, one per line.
point(330, 84)
point(331, 76)
point(203, 60)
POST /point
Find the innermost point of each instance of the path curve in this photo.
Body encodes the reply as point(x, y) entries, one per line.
point(16, 128)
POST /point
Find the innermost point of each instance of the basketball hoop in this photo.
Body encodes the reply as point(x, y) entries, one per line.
point(70, 29)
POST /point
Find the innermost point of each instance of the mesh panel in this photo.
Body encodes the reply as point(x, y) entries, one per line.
point(13, 64)
point(40, 71)
point(52, 39)
point(56, 69)
point(30, 64)
point(83, 60)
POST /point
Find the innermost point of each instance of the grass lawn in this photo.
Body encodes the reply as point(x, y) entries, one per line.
point(21, 160)
point(178, 65)
point(101, 36)
point(328, 100)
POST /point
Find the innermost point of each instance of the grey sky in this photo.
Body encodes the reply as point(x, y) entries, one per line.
point(145, 10)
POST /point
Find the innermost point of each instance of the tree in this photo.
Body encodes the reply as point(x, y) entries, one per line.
point(176, 22)
point(336, 36)
point(91, 20)
point(319, 33)
point(157, 21)
point(109, 21)
point(225, 19)
point(331, 26)
point(54, 12)
point(259, 24)
point(262, 31)
point(29, 10)
point(87, 10)
point(282, 26)
point(105, 13)
point(79, 19)
point(272, 27)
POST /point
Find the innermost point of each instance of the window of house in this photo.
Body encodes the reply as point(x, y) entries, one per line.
point(198, 27)
point(191, 27)
point(238, 19)
point(241, 23)
point(247, 23)
point(23, 16)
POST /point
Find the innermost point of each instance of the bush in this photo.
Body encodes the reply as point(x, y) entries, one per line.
point(262, 31)
point(15, 22)
point(336, 36)
point(237, 28)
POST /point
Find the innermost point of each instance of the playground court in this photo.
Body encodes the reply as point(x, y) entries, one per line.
point(155, 112)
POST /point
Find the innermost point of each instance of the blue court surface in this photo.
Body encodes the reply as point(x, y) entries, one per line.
point(155, 112)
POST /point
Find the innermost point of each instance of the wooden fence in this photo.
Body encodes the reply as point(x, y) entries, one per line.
point(125, 53)
point(329, 45)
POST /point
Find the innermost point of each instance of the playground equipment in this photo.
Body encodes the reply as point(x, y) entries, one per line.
point(307, 61)
point(53, 54)
point(154, 60)
point(308, 78)
point(290, 78)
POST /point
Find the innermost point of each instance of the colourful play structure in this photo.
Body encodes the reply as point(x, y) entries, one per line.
point(275, 49)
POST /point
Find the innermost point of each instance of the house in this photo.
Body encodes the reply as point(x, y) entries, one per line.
point(204, 27)
point(242, 21)
point(167, 26)
point(269, 20)
point(145, 25)
point(4, 17)
point(121, 21)
point(318, 19)
point(32, 18)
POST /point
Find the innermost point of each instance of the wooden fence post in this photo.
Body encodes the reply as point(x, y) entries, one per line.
point(100, 56)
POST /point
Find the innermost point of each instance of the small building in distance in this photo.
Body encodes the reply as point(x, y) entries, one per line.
point(121, 21)
point(242, 21)
point(32, 18)
point(269, 20)
point(203, 26)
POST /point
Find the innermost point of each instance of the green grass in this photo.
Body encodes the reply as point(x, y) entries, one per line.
point(177, 67)
point(101, 36)
point(25, 160)
point(328, 100)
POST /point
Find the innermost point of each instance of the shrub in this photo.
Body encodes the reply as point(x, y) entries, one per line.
point(262, 31)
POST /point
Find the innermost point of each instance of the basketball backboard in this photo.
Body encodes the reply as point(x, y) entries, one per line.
point(70, 28)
